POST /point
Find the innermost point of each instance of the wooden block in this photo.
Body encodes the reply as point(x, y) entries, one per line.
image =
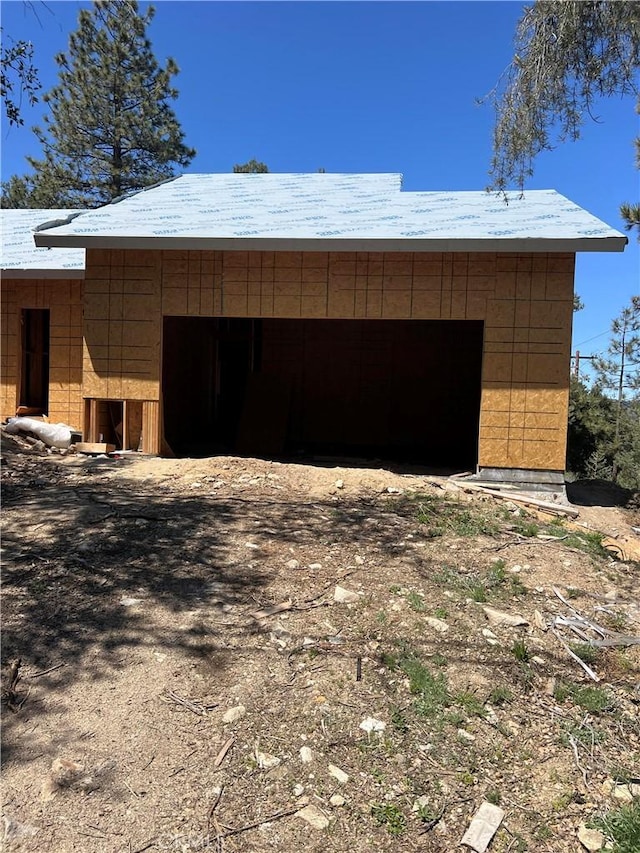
point(94, 447)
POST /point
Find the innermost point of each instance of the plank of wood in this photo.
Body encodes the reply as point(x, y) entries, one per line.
point(94, 447)
point(547, 506)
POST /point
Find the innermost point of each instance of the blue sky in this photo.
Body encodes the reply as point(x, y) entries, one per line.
point(361, 87)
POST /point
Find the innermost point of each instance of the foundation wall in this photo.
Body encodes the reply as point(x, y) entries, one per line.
point(63, 298)
point(525, 301)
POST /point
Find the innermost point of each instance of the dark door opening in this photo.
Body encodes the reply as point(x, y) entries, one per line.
point(34, 377)
point(398, 390)
point(206, 363)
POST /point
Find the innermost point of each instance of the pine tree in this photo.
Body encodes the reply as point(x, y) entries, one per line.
point(252, 167)
point(619, 371)
point(568, 53)
point(111, 129)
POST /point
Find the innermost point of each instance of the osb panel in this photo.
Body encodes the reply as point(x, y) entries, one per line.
point(525, 301)
point(63, 299)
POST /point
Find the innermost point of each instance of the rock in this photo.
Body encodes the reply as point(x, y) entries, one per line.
point(490, 637)
point(338, 774)
point(337, 800)
point(298, 790)
point(306, 755)
point(499, 618)
point(391, 490)
point(591, 839)
point(420, 804)
point(315, 566)
point(251, 545)
point(345, 596)
point(64, 772)
point(437, 624)
point(314, 817)
point(466, 736)
point(266, 761)
point(623, 793)
point(14, 830)
point(359, 561)
point(234, 714)
point(539, 621)
point(130, 602)
point(293, 564)
point(372, 725)
point(339, 484)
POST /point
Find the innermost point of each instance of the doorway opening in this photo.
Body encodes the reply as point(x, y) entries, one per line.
point(206, 365)
point(34, 375)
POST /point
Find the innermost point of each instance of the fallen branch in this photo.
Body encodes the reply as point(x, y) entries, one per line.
point(579, 660)
point(257, 823)
point(46, 671)
point(220, 757)
point(272, 610)
point(196, 707)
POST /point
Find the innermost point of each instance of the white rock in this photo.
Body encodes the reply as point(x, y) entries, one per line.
point(466, 736)
point(315, 566)
point(339, 484)
point(337, 800)
point(499, 617)
point(298, 790)
point(293, 564)
point(359, 561)
point(130, 602)
point(591, 839)
point(306, 755)
point(371, 724)
point(234, 714)
point(623, 793)
point(345, 596)
point(266, 761)
point(437, 624)
point(421, 803)
point(338, 774)
point(314, 817)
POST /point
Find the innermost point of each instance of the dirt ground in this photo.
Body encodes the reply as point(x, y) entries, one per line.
point(188, 681)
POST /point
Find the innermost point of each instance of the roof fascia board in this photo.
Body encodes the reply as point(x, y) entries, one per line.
point(9, 273)
point(292, 244)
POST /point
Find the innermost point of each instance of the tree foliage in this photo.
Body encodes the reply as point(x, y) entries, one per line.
point(252, 167)
point(111, 128)
point(567, 55)
point(604, 420)
point(18, 78)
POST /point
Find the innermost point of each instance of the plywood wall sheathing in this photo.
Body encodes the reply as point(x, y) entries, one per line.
point(525, 301)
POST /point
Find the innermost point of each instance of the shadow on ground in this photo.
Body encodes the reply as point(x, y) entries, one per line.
point(599, 493)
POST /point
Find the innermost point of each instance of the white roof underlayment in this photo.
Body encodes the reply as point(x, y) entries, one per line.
point(332, 212)
point(21, 258)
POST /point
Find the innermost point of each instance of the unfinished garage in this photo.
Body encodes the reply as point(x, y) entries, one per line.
point(335, 315)
point(406, 390)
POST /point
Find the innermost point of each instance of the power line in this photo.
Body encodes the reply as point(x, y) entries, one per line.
point(593, 338)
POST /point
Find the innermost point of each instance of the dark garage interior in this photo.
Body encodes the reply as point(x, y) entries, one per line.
point(397, 390)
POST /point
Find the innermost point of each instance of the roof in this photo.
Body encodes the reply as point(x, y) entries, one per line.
point(332, 212)
point(20, 258)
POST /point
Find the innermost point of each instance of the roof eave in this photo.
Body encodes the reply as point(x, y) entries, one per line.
point(337, 244)
point(9, 273)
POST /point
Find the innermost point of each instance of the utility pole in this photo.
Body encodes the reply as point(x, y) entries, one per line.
point(576, 360)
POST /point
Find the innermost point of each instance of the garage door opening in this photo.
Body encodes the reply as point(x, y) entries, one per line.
point(398, 390)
